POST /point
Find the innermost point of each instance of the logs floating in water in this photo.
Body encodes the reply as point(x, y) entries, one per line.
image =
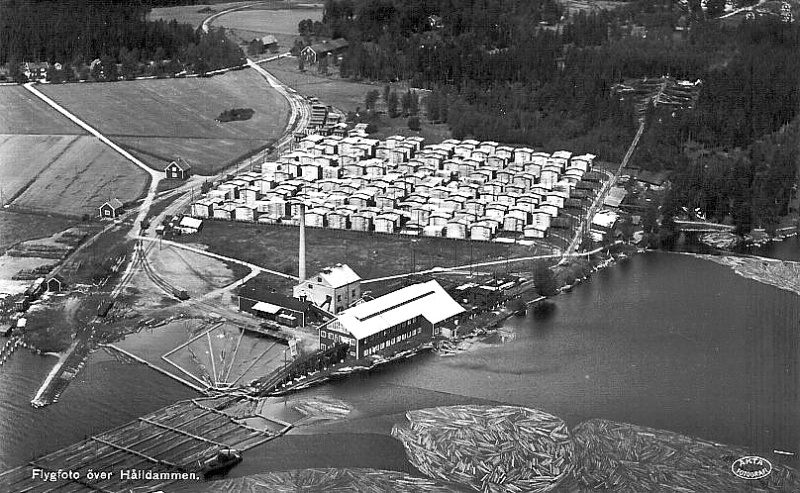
point(323, 408)
point(489, 448)
point(626, 457)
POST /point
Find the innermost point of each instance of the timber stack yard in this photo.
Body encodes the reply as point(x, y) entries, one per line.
point(253, 241)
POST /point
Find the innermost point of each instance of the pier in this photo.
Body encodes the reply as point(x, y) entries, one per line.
point(170, 442)
point(68, 365)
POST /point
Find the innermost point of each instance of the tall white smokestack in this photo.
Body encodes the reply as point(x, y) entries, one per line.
point(302, 253)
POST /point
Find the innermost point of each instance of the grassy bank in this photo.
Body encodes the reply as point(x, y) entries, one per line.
point(370, 255)
point(18, 226)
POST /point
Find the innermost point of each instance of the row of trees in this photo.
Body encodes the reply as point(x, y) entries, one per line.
point(77, 32)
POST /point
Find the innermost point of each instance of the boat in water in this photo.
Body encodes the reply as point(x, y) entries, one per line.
point(220, 463)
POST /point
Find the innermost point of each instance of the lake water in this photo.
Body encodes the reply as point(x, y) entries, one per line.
point(662, 340)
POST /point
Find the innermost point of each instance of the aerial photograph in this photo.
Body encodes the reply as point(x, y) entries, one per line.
point(399, 246)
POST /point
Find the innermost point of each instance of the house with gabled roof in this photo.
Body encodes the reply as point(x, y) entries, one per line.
point(111, 209)
point(334, 48)
point(178, 169)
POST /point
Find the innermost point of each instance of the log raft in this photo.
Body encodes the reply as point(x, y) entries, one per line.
point(170, 440)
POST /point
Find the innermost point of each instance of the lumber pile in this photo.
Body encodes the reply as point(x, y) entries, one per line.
point(356, 479)
point(489, 448)
point(626, 457)
point(323, 408)
point(723, 240)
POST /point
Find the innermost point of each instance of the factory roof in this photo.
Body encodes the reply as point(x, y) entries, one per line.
point(337, 276)
point(426, 299)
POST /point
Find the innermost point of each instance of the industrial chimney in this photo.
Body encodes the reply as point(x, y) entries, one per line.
point(302, 254)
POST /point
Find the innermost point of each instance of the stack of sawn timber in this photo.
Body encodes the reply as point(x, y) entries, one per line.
point(489, 448)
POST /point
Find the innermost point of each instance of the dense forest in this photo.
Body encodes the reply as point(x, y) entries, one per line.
point(116, 32)
point(526, 72)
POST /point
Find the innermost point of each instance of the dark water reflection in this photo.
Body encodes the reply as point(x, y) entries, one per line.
point(661, 340)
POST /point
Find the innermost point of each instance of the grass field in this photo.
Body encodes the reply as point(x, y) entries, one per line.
point(23, 157)
point(343, 94)
point(370, 255)
point(160, 118)
point(25, 114)
point(268, 21)
point(17, 226)
point(65, 174)
point(208, 156)
point(191, 14)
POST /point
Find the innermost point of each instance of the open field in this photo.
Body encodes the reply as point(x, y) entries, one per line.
point(23, 157)
point(25, 114)
point(370, 255)
point(17, 226)
point(70, 175)
point(168, 111)
point(268, 21)
point(191, 271)
point(342, 94)
point(208, 156)
point(191, 13)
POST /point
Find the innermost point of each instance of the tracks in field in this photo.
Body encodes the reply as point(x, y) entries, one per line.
point(155, 176)
point(55, 158)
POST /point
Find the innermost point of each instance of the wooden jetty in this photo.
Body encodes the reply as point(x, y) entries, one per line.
point(169, 442)
point(300, 368)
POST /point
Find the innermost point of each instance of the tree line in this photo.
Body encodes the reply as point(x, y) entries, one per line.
point(501, 71)
point(735, 155)
point(75, 33)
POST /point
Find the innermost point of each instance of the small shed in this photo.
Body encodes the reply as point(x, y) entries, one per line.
point(56, 284)
point(111, 209)
point(189, 225)
point(178, 169)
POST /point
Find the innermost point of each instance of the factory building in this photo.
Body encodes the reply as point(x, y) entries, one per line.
point(396, 321)
point(332, 289)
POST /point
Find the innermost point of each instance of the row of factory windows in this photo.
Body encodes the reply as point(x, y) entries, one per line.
point(392, 342)
point(336, 338)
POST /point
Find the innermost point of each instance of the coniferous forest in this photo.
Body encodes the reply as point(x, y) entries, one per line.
point(516, 71)
point(75, 33)
point(528, 72)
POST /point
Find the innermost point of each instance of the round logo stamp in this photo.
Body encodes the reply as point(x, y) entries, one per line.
point(751, 467)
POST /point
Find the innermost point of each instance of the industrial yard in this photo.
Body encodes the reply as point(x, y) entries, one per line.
point(456, 189)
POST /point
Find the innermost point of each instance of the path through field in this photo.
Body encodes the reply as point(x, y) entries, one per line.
point(154, 175)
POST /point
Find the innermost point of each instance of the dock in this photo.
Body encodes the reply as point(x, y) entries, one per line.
point(168, 443)
point(68, 365)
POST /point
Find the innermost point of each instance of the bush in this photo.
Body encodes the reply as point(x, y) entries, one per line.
point(413, 123)
point(235, 115)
